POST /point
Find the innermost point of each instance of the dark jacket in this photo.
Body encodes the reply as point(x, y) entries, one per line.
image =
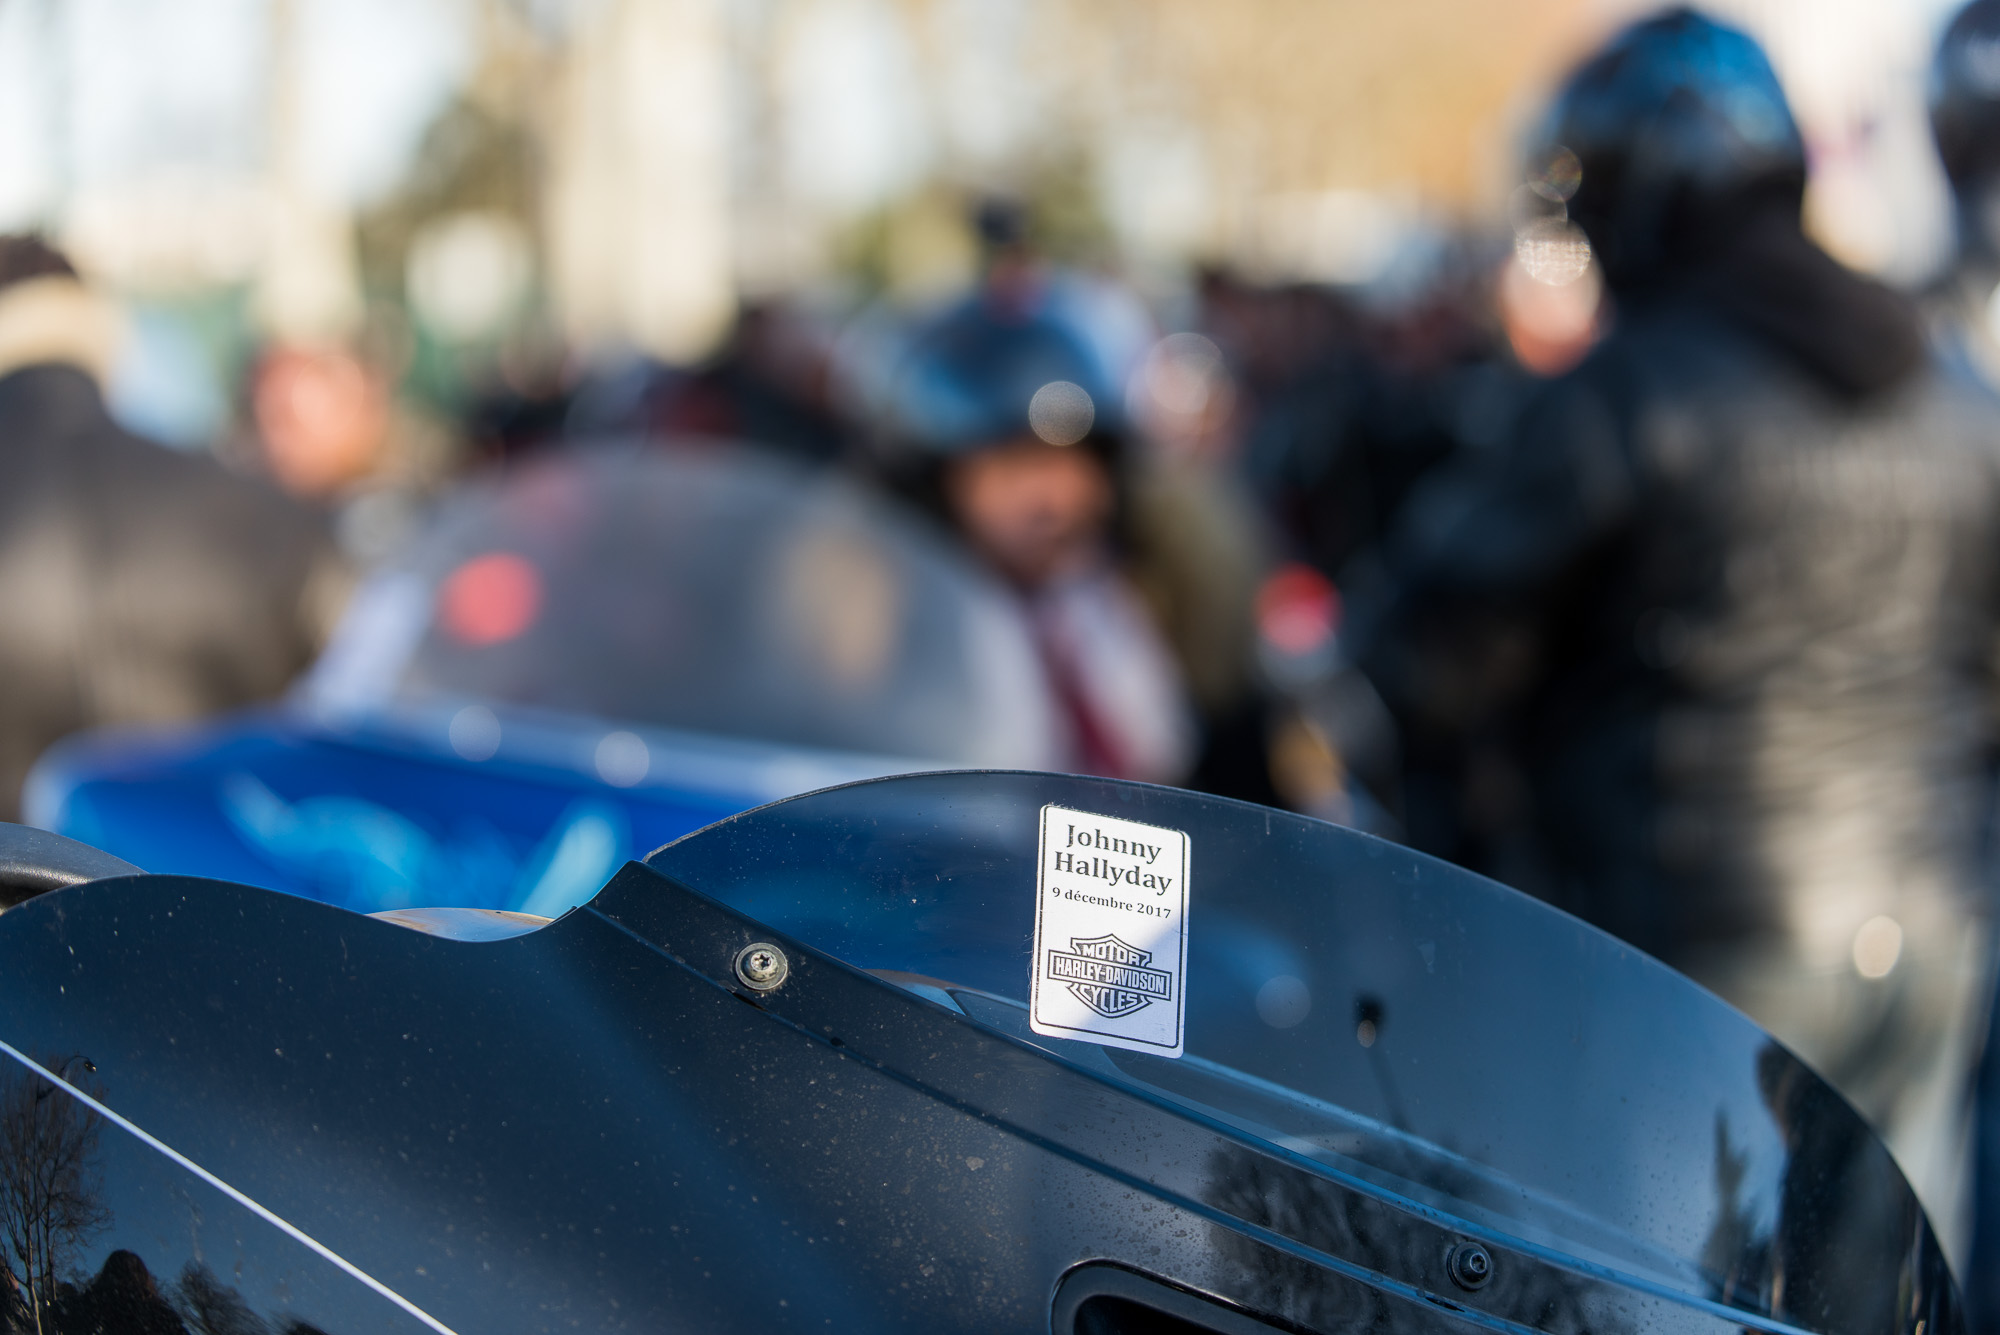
point(1728, 602)
point(137, 584)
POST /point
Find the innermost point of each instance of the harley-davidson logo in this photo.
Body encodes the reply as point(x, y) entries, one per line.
point(1109, 976)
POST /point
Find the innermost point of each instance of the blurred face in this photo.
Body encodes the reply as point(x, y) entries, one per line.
point(1549, 325)
point(323, 418)
point(1035, 511)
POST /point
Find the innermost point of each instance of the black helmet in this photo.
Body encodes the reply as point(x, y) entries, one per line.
point(987, 373)
point(1965, 98)
point(1673, 123)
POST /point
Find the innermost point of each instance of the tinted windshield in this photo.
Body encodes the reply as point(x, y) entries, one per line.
point(717, 590)
point(1388, 1017)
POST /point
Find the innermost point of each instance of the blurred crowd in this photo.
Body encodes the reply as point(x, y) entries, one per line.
point(1642, 557)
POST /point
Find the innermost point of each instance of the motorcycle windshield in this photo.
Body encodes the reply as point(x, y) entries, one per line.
point(708, 589)
point(1448, 1043)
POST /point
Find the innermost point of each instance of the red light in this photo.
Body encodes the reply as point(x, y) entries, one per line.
point(490, 599)
point(1298, 609)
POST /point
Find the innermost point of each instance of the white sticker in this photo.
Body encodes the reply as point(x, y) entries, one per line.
point(1111, 902)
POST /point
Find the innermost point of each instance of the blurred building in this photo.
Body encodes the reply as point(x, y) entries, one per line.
point(618, 173)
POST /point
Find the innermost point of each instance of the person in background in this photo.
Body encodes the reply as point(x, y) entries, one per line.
point(1000, 420)
point(322, 419)
point(328, 430)
point(1730, 595)
point(138, 584)
point(1201, 552)
point(768, 385)
point(1965, 118)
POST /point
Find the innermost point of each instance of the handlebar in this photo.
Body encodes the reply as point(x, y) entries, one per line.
point(33, 862)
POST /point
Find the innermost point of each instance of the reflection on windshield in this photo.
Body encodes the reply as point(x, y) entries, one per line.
point(51, 1203)
point(53, 1207)
point(99, 1235)
point(1381, 1152)
point(1344, 1223)
point(1839, 1177)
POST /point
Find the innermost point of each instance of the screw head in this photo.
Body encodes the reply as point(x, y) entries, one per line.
point(1469, 1265)
point(762, 967)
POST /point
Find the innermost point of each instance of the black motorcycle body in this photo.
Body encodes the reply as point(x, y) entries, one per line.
point(1463, 1111)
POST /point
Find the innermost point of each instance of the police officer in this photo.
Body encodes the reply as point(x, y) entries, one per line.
point(1730, 593)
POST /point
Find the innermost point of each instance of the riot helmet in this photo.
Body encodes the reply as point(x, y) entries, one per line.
point(1676, 126)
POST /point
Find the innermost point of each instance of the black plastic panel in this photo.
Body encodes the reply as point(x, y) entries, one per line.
point(594, 1126)
point(101, 1232)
